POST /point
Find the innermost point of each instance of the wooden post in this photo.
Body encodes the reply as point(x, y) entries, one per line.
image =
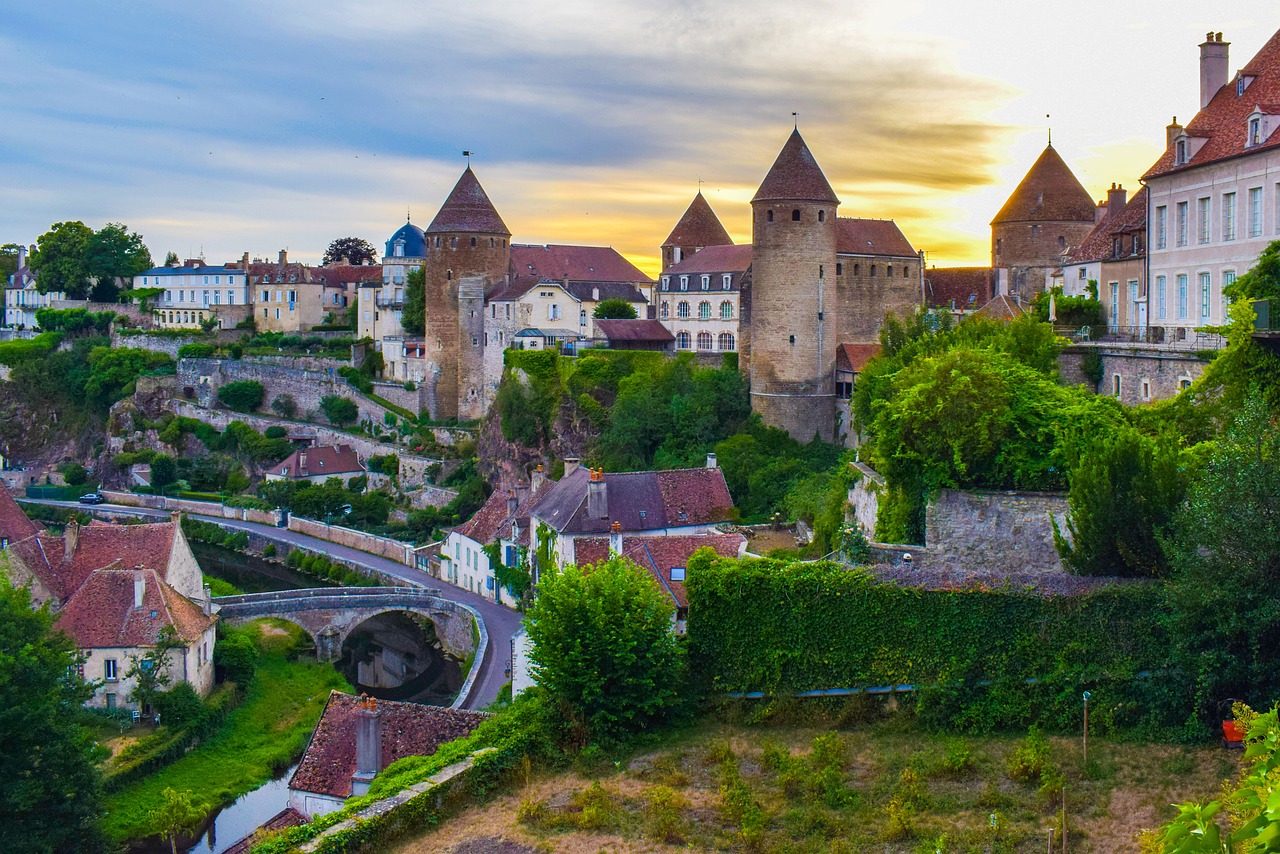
point(1064, 820)
point(1051, 840)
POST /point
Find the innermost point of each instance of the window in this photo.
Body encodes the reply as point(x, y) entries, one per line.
point(704, 340)
point(768, 216)
point(1161, 309)
point(1180, 152)
point(682, 309)
point(726, 341)
point(665, 310)
point(1114, 318)
point(873, 271)
point(473, 242)
point(1205, 304)
point(726, 310)
point(999, 244)
point(553, 311)
point(795, 216)
point(1182, 223)
point(231, 297)
point(1062, 242)
point(1255, 211)
point(217, 280)
point(266, 296)
point(109, 670)
point(1115, 384)
point(453, 243)
point(704, 310)
point(1146, 390)
point(1182, 296)
point(1162, 224)
point(1228, 216)
point(706, 283)
point(839, 269)
point(1202, 222)
point(684, 283)
point(1228, 279)
point(726, 282)
point(1035, 231)
point(666, 283)
point(888, 270)
point(822, 216)
point(857, 269)
point(1255, 131)
point(582, 317)
point(1081, 274)
point(682, 340)
point(111, 701)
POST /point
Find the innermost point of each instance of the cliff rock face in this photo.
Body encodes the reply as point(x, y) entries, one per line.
point(503, 463)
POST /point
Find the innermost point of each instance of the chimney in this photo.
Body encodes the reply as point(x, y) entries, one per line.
point(1213, 67)
point(139, 588)
point(615, 539)
point(711, 461)
point(22, 257)
point(70, 539)
point(208, 600)
point(1116, 198)
point(244, 261)
point(539, 477)
point(512, 503)
point(368, 744)
point(1171, 132)
point(1100, 212)
point(284, 257)
point(570, 465)
point(597, 496)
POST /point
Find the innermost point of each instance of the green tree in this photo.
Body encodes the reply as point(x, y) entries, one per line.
point(59, 259)
point(171, 259)
point(1262, 281)
point(604, 649)
point(178, 815)
point(356, 250)
point(1125, 489)
point(113, 371)
point(150, 671)
point(339, 410)
point(8, 261)
point(51, 795)
point(237, 655)
point(164, 472)
point(284, 405)
point(242, 395)
point(614, 309)
point(413, 317)
point(113, 252)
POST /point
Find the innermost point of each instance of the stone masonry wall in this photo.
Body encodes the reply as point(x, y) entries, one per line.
point(169, 345)
point(1162, 371)
point(390, 549)
point(1001, 532)
point(864, 501)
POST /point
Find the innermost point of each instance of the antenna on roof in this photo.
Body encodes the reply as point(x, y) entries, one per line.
point(1046, 118)
point(795, 121)
point(467, 154)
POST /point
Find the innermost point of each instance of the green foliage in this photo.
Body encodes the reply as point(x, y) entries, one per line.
point(52, 791)
point(59, 259)
point(164, 471)
point(842, 628)
point(1031, 758)
point(358, 380)
point(150, 671)
point(74, 473)
point(373, 364)
point(177, 815)
point(197, 350)
point(1071, 311)
point(1262, 281)
point(355, 250)
point(74, 320)
point(413, 317)
point(242, 395)
point(614, 309)
point(28, 350)
point(1125, 489)
point(339, 410)
point(180, 706)
point(113, 370)
point(388, 464)
point(1091, 367)
point(237, 655)
point(284, 405)
point(604, 650)
point(114, 252)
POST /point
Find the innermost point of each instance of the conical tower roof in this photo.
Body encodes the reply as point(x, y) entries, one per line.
point(468, 209)
point(795, 176)
point(698, 227)
point(1048, 193)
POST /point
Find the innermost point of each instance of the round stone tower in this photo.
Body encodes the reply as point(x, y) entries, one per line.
point(467, 253)
point(793, 296)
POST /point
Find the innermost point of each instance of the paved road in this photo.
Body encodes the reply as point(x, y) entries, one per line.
point(501, 622)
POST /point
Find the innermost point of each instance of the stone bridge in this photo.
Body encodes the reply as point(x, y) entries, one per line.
point(330, 614)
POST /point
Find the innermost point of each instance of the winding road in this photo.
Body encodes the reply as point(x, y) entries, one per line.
point(501, 622)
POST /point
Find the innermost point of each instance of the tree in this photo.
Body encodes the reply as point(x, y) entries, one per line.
point(1262, 281)
point(113, 371)
point(614, 309)
point(284, 405)
point(111, 253)
point(339, 410)
point(237, 655)
point(414, 316)
point(164, 472)
point(356, 250)
point(8, 261)
point(604, 648)
point(52, 788)
point(242, 395)
point(171, 259)
point(59, 259)
point(177, 815)
point(150, 672)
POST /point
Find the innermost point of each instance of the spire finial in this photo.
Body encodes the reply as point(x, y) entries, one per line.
point(699, 185)
point(467, 154)
point(1050, 127)
point(407, 214)
point(795, 121)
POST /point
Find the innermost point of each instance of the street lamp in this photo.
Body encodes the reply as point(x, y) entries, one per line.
point(1085, 750)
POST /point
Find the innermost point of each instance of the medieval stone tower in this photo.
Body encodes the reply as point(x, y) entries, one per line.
point(793, 327)
point(467, 253)
point(1048, 215)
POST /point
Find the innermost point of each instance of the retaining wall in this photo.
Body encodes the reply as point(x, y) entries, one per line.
point(864, 501)
point(1146, 373)
point(184, 505)
point(380, 546)
point(1007, 532)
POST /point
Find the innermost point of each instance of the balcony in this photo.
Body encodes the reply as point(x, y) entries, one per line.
point(386, 302)
point(1154, 337)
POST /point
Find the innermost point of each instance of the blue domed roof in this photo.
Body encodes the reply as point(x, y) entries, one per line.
point(414, 243)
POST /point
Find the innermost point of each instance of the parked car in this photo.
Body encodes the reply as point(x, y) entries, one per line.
point(92, 498)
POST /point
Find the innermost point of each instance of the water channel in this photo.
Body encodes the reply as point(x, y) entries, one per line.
point(393, 656)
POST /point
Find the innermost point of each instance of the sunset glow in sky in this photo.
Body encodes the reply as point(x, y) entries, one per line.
point(254, 126)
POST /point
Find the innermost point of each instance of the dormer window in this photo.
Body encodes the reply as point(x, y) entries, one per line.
point(666, 283)
point(1180, 151)
point(1240, 85)
point(684, 283)
point(1255, 131)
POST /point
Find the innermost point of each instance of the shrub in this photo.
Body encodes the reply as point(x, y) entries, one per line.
point(242, 395)
point(339, 410)
point(196, 351)
point(357, 379)
point(238, 657)
point(179, 706)
point(269, 550)
point(284, 405)
point(1030, 758)
point(275, 431)
point(74, 473)
point(664, 815)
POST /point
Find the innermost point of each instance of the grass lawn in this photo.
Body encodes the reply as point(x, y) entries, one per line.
point(822, 784)
point(258, 740)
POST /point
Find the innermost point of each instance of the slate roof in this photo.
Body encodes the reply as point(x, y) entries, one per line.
point(415, 242)
point(192, 271)
point(14, 524)
point(494, 520)
point(1223, 123)
point(325, 459)
point(347, 274)
point(97, 546)
point(854, 357)
point(633, 330)
point(279, 273)
point(408, 729)
point(1099, 244)
point(659, 555)
point(1049, 192)
point(715, 259)
point(638, 501)
point(795, 176)
point(101, 613)
point(872, 237)
point(699, 226)
point(969, 287)
point(595, 264)
point(468, 209)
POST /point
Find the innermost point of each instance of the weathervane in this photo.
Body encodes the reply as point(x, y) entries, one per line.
point(467, 154)
point(795, 121)
point(1046, 119)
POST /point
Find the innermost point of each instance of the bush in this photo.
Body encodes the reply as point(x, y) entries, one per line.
point(74, 473)
point(242, 395)
point(275, 431)
point(269, 550)
point(339, 410)
point(196, 351)
point(1029, 759)
point(284, 405)
point(358, 380)
point(179, 706)
point(237, 655)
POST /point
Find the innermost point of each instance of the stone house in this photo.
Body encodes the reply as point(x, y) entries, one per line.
point(318, 464)
point(195, 292)
point(22, 299)
point(700, 297)
point(504, 520)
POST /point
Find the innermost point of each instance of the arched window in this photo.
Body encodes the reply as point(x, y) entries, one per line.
point(888, 270)
point(473, 242)
point(491, 242)
point(726, 310)
point(768, 216)
point(682, 309)
point(682, 340)
point(726, 341)
point(665, 310)
point(704, 310)
point(857, 269)
point(795, 215)
point(704, 340)
point(822, 216)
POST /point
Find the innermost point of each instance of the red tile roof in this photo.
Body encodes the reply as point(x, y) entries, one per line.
point(102, 613)
point(698, 227)
point(575, 263)
point(854, 357)
point(96, 547)
point(638, 501)
point(659, 555)
point(634, 330)
point(968, 287)
point(408, 729)
point(322, 460)
point(715, 259)
point(795, 176)
point(872, 237)
point(14, 524)
point(1223, 123)
point(279, 273)
point(494, 520)
point(468, 209)
point(1049, 192)
point(347, 274)
point(1099, 244)
point(287, 817)
point(1001, 308)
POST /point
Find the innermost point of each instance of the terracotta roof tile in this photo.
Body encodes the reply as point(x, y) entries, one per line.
point(795, 176)
point(468, 210)
point(634, 330)
point(575, 263)
point(1099, 243)
point(1049, 192)
point(699, 226)
point(102, 613)
point(854, 357)
point(871, 237)
point(96, 547)
point(1001, 308)
point(333, 460)
point(968, 287)
point(659, 555)
point(14, 524)
point(639, 501)
point(287, 817)
point(715, 259)
point(347, 274)
point(408, 729)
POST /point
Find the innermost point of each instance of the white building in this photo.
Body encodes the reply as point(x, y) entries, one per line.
point(195, 292)
point(21, 298)
point(700, 298)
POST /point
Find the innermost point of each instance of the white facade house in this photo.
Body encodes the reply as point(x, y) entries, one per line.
point(196, 292)
point(699, 298)
point(21, 298)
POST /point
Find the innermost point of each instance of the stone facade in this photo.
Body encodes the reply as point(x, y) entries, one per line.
point(1135, 374)
point(864, 499)
point(870, 287)
point(1001, 532)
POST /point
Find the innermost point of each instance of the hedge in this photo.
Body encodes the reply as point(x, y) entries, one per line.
point(779, 627)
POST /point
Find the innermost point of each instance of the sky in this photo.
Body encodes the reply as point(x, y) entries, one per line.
point(219, 128)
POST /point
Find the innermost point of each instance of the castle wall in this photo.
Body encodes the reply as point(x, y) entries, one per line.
point(1145, 372)
point(1030, 250)
point(871, 287)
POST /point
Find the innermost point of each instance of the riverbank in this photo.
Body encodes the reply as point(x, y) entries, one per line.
point(261, 738)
